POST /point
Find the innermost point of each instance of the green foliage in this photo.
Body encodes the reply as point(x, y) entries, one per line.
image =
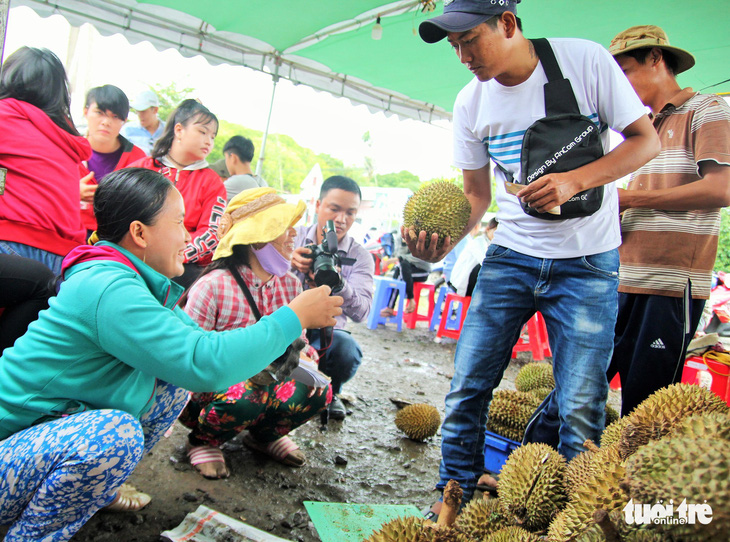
point(722, 262)
point(170, 97)
point(286, 164)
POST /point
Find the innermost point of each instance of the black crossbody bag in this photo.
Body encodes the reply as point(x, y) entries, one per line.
point(561, 141)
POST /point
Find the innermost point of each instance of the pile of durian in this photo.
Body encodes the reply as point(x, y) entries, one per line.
point(674, 446)
point(510, 410)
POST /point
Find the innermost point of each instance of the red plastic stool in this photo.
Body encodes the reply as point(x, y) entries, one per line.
point(537, 339)
point(412, 317)
point(378, 260)
point(450, 326)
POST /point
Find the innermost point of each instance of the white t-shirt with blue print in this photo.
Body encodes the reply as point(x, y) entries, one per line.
point(491, 119)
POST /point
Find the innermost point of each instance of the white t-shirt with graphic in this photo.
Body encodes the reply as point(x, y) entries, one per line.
point(490, 118)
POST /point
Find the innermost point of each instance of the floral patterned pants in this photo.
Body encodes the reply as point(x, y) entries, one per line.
point(54, 476)
point(268, 412)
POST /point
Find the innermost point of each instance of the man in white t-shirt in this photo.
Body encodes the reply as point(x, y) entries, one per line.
point(567, 269)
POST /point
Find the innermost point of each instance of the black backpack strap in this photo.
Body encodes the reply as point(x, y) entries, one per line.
point(559, 96)
point(245, 290)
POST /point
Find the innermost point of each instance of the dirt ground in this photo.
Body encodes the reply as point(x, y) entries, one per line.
point(364, 459)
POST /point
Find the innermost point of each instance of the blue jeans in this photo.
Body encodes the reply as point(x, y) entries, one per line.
point(49, 259)
point(341, 360)
point(578, 299)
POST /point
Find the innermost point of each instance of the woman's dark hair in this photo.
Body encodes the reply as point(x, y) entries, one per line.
point(240, 256)
point(189, 111)
point(36, 76)
point(109, 98)
point(127, 195)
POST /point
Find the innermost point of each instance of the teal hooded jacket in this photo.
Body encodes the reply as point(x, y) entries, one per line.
point(111, 332)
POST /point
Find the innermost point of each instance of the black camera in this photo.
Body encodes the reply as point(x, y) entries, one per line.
point(326, 259)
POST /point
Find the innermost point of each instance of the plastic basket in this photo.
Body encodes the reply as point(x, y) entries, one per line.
point(709, 374)
point(496, 450)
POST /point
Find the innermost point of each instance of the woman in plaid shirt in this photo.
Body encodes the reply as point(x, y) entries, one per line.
point(257, 240)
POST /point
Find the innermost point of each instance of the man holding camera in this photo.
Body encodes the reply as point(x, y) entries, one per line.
point(340, 355)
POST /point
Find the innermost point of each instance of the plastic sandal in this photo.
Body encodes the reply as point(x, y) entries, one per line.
point(284, 450)
point(128, 500)
point(199, 455)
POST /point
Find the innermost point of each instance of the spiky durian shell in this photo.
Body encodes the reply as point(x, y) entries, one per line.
point(540, 393)
point(535, 375)
point(513, 409)
point(706, 425)
point(611, 415)
point(579, 470)
point(664, 409)
point(406, 529)
point(532, 485)
point(419, 421)
point(481, 517)
point(512, 534)
point(627, 533)
point(600, 489)
point(683, 468)
point(438, 207)
point(612, 432)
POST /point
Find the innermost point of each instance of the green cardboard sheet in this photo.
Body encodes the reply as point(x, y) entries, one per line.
point(339, 522)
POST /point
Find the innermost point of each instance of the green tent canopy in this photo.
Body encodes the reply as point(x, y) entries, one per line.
point(328, 44)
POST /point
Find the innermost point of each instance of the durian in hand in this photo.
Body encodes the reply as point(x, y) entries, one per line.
point(532, 486)
point(437, 207)
point(419, 421)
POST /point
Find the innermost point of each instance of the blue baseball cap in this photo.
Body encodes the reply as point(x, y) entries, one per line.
point(463, 15)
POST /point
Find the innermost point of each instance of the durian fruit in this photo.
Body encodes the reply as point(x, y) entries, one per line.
point(419, 421)
point(535, 375)
point(598, 489)
point(480, 518)
point(540, 393)
point(532, 486)
point(437, 207)
point(513, 534)
point(405, 529)
point(707, 425)
point(611, 526)
point(683, 469)
point(579, 470)
point(509, 413)
point(611, 415)
point(612, 432)
point(664, 409)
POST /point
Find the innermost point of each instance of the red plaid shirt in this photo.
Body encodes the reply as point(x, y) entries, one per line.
point(216, 302)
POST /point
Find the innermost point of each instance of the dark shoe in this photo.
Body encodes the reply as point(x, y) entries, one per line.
point(337, 409)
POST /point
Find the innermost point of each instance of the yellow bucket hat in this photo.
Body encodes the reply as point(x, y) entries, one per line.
point(648, 35)
point(257, 215)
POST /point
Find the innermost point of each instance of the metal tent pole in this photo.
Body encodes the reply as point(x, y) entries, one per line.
point(275, 78)
point(4, 9)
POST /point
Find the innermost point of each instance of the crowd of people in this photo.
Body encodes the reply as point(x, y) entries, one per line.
point(145, 286)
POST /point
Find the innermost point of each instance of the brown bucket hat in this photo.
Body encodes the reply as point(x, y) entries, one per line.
point(644, 36)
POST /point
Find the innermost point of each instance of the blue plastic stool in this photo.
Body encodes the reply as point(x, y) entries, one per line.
point(439, 307)
point(384, 286)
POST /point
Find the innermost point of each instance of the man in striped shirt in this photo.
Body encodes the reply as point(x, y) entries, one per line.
point(671, 216)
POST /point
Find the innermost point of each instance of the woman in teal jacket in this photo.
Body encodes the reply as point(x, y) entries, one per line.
point(102, 374)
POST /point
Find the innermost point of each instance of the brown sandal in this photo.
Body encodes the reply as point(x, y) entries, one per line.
point(284, 450)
